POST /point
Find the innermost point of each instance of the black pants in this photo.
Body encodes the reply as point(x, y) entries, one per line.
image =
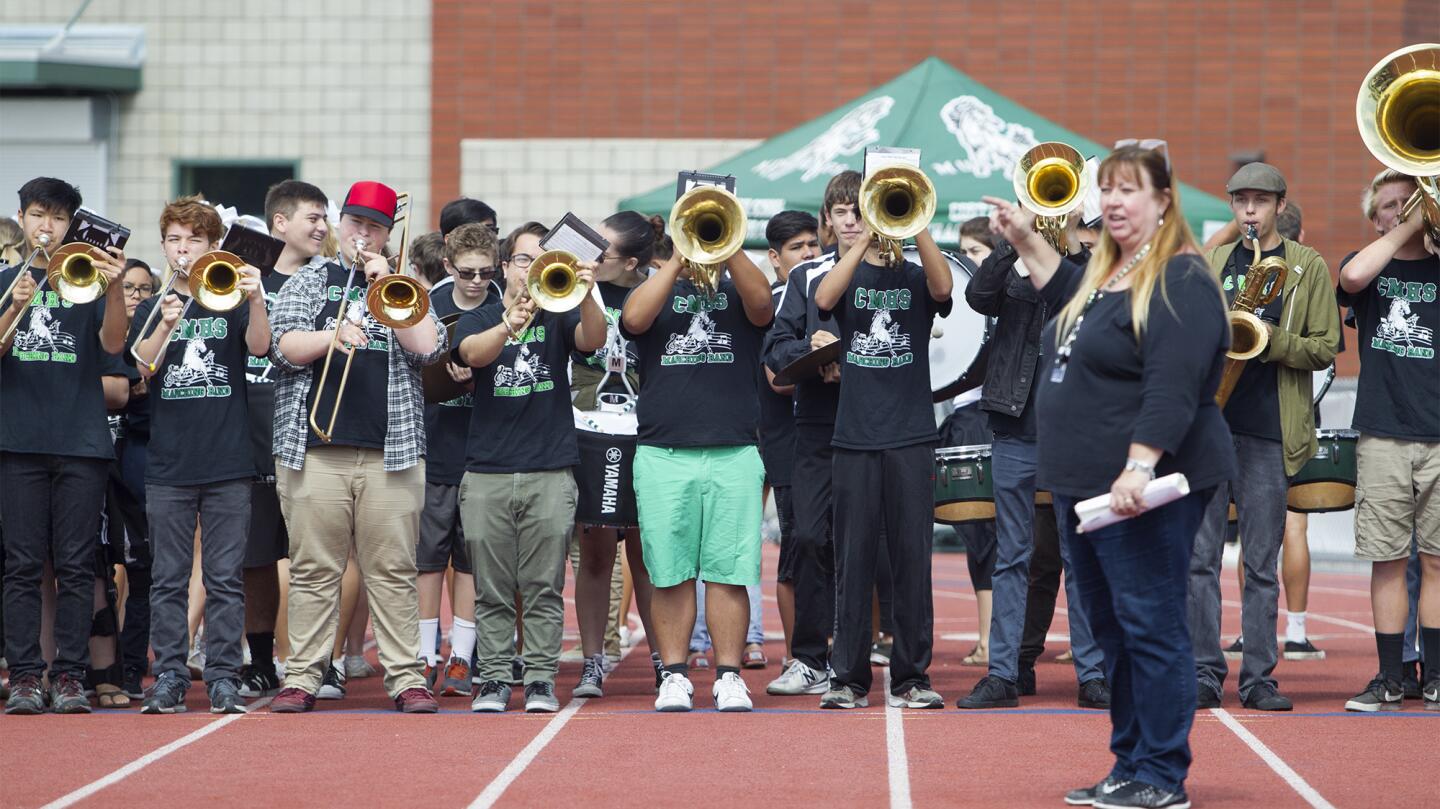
point(814, 559)
point(892, 488)
point(52, 507)
point(1045, 568)
point(125, 507)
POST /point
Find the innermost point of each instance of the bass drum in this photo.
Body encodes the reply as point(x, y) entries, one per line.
point(605, 478)
point(956, 359)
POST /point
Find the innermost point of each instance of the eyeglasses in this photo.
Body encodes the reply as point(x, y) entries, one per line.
point(522, 260)
point(142, 290)
point(470, 275)
point(604, 257)
point(1151, 144)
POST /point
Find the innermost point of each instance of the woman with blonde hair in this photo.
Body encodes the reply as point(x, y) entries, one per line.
point(12, 239)
point(1136, 349)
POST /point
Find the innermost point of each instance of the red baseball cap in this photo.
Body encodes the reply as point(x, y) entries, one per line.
point(371, 200)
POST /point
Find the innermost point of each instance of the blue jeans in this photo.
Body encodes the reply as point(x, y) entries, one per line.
point(1013, 463)
point(700, 637)
point(1132, 578)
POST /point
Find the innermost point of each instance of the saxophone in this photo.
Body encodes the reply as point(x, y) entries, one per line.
point(1249, 336)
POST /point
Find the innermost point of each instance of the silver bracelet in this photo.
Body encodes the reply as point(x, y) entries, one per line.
point(1132, 465)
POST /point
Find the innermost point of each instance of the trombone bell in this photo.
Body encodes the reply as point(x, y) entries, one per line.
point(215, 281)
point(397, 302)
point(552, 281)
point(72, 273)
point(707, 225)
point(1398, 110)
point(1050, 182)
point(897, 202)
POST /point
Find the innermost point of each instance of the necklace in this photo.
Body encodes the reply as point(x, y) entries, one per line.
point(1062, 355)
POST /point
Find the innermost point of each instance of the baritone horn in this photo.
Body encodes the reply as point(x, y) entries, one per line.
point(553, 283)
point(1398, 114)
point(896, 202)
point(707, 224)
point(1050, 182)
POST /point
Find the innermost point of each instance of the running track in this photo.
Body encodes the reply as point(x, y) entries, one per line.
point(617, 751)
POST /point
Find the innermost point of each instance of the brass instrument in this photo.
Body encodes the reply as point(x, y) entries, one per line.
point(553, 284)
point(214, 283)
point(896, 202)
point(1398, 113)
point(394, 301)
point(44, 239)
point(1050, 182)
point(1249, 336)
point(707, 224)
point(71, 273)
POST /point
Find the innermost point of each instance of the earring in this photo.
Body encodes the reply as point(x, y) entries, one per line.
point(1162, 220)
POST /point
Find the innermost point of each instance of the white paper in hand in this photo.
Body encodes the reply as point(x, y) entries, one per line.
point(1095, 513)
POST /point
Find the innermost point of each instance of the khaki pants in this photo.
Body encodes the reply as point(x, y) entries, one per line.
point(517, 529)
point(342, 500)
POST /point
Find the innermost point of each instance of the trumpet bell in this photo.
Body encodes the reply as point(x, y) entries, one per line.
point(73, 274)
point(215, 280)
point(1050, 179)
point(552, 281)
point(707, 224)
point(397, 302)
point(1398, 110)
point(897, 202)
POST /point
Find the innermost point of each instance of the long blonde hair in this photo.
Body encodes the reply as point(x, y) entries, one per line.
point(1173, 237)
point(12, 242)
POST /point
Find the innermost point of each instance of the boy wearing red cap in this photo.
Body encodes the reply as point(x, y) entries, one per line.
point(364, 488)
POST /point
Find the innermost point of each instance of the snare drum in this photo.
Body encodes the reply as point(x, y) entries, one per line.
point(1327, 481)
point(964, 487)
point(605, 479)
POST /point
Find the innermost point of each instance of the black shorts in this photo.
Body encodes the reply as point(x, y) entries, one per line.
point(269, 541)
point(442, 543)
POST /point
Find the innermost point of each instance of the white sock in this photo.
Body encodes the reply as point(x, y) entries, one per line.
point(462, 639)
point(1294, 627)
point(428, 630)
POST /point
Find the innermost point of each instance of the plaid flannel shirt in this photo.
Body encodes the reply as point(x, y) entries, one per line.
point(295, 309)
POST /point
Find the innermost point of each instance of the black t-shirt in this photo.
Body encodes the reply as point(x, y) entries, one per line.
point(137, 407)
point(364, 417)
point(796, 320)
point(448, 423)
point(698, 364)
point(1254, 406)
point(51, 397)
point(260, 391)
point(885, 396)
point(198, 397)
point(613, 296)
point(777, 424)
point(1398, 395)
point(1160, 393)
point(522, 420)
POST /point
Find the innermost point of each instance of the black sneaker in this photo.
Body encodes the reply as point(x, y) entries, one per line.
point(1304, 650)
point(592, 675)
point(67, 695)
point(133, 682)
point(1094, 694)
point(1410, 681)
point(27, 696)
point(1380, 695)
point(1026, 683)
point(167, 695)
point(991, 692)
point(1431, 694)
point(333, 684)
point(225, 697)
point(1139, 793)
point(540, 697)
point(1207, 696)
point(259, 680)
point(1085, 796)
point(1236, 650)
point(1264, 697)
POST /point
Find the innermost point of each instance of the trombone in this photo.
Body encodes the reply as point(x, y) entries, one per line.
point(707, 224)
point(1398, 114)
point(71, 272)
point(394, 301)
point(896, 202)
point(214, 282)
point(553, 285)
point(1050, 182)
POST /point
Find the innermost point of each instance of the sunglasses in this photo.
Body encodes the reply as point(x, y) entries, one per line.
point(1151, 144)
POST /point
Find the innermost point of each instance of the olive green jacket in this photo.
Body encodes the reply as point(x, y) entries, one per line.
point(1306, 340)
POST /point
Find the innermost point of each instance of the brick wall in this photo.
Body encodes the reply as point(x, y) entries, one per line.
point(1214, 78)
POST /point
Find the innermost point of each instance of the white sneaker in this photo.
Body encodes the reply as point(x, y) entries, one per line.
point(731, 693)
point(358, 668)
point(676, 693)
point(797, 679)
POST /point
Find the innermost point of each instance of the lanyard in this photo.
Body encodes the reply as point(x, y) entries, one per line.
point(1062, 356)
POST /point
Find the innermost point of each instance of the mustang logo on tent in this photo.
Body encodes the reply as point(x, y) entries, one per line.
point(848, 136)
point(991, 143)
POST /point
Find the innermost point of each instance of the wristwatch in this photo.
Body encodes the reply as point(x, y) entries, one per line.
point(1132, 465)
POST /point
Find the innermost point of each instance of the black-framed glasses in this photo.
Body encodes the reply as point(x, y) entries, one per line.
point(138, 289)
point(604, 257)
point(1151, 144)
point(470, 275)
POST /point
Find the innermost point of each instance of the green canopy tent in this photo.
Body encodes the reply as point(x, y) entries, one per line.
point(970, 136)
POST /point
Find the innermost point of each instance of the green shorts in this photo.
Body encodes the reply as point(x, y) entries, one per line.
point(700, 511)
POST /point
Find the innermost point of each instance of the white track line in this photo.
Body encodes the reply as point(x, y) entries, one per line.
point(1324, 619)
point(149, 758)
point(1288, 775)
point(899, 762)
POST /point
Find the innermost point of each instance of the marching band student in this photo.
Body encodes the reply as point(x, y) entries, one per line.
point(53, 375)
point(465, 211)
point(294, 213)
point(468, 257)
point(198, 464)
point(362, 491)
point(881, 468)
point(517, 500)
point(1391, 284)
point(127, 497)
point(427, 259)
point(698, 474)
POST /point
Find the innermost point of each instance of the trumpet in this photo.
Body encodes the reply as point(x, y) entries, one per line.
point(707, 224)
point(394, 301)
point(896, 202)
point(214, 283)
point(553, 284)
point(71, 273)
point(1398, 114)
point(1248, 335)
point(1050, 182)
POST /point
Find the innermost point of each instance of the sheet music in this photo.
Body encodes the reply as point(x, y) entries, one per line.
point(574, 236)
point(1095, 513)
point(878, 157)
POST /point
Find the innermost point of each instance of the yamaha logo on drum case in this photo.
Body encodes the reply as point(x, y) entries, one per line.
point(613, 455)
point(610, 494)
